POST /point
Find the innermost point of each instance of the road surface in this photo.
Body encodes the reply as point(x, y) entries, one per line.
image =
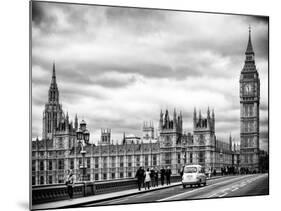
point(229, 186)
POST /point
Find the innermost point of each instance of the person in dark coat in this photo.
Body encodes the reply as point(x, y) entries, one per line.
point(182, 170)
point(152, 176)
point(140, 177)
point(156, 176)
point(162, 175)
point(168, 175)
point(69, 181)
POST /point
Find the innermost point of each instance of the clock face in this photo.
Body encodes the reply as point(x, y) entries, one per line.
point(248, 89)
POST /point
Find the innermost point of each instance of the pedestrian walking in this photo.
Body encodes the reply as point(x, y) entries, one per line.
point(162, 175)
point(69, 181)
point(139, 176)
point(147, 179)
point(209, 173)
point(156, 176)
point(168, 175)
point(182, 170)
point(152, 177)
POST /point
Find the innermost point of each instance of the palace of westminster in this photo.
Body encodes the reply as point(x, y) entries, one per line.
point(65, 145)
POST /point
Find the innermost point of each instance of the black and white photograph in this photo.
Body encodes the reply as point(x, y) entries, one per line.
point(137, 105)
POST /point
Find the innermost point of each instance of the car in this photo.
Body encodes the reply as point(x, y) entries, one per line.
point(194, 175)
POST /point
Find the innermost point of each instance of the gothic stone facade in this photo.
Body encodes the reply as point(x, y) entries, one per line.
point(59, 149)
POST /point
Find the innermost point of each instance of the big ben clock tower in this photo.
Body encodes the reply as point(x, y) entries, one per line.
point(249, 111)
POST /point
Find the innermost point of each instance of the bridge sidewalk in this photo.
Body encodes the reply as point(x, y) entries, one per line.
point(99, 198)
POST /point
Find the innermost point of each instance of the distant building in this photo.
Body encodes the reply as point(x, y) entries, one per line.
point(148, 130)
point(105, 137)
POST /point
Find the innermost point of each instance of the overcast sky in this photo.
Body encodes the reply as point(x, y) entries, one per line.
point(117, 67)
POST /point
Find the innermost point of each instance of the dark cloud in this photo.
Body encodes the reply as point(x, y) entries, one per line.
point(120, 66)
point(38, 13)
point(41, 18)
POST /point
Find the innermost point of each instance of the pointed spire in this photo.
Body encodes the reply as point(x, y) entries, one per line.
point(249, 49)
point(200, 114)
point(76, 122)
point(208, 112)
point(194, 113)
point(54, 74)
point(124, 138)
point(230, 142)
point(161, 115)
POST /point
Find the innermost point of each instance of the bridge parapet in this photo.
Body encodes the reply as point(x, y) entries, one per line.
point(57, 192)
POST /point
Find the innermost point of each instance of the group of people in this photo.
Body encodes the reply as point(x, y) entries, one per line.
point(150, 177)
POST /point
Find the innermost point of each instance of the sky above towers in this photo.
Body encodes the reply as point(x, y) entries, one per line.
point(118, 67)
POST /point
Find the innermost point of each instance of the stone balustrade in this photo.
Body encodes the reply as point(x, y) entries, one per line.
point(56, 192)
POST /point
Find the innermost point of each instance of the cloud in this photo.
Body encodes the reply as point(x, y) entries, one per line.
point(117, 67)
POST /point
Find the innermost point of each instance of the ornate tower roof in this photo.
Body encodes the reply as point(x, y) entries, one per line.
point(249, 49)
point(53, 90)
point(249, 65)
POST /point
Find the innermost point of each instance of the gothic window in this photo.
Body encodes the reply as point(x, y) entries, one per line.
point(179, 158)
point(154, 160)
point(50, 179)
point(61, 178)
point(201, 139)
point(33, 165)
point(146, 160)
point(105, 162)
point(96, 162)
point(113, 162)
point(168, 158)
point(112, 175)
point(41, 165)
point(190, 157)
point(201, 156)
point(251, 110)
point(41, 180)
point(96, 176)
point(60, 143)
point(61, 164)
point(71, 163)
point(88, 163)
point(137, 160)
point(121, 158)
point(104, 176)
point(50, 165)
point(33, 180)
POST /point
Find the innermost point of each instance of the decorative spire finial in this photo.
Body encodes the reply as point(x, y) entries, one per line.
point(249, 49)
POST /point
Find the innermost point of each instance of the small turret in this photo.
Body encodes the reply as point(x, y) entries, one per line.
point(230, 142)
point(76, 122)
point(175, 119)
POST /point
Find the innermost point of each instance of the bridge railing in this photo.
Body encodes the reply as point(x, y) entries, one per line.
point(57, 192)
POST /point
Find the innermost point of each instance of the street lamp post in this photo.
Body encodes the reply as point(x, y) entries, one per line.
point(82, 138)
point(221, 161)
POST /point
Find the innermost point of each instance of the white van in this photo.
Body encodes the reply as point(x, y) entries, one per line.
point(193, 175)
